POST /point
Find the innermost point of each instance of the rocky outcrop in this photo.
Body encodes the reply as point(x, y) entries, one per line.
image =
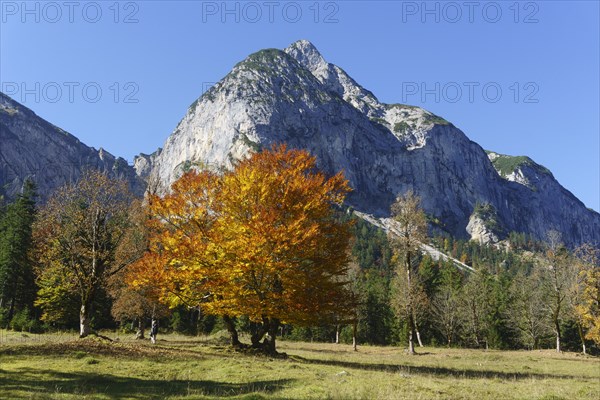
point(295, 96)
point(484, 226)
point(143, 164)
point(31, 147)
point(478, 230)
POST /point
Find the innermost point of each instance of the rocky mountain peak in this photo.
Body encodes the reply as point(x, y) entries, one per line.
point(295, 96)
point(308, 56)
point(304, 46)
point(335, 79)
point(521, 169)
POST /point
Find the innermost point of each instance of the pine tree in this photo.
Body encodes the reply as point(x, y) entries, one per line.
point(17, 283)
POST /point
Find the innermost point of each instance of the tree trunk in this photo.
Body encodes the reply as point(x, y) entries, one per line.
point(267, 330)
point(337, 334)
point(11, 310)
point(582, 338)
point(258, 333)
point(269, 342)
point(418, 336)
point(196, 321)
point(557, 331)
point(411, 320)
point(558, 306)
point(475, 323)
point(153, 330)
point(411, 330)
point(354, 336)
point(235, 342)
point(84, 321)
point(139, 334)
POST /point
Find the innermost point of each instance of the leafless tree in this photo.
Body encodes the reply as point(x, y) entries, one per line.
point(410, 231)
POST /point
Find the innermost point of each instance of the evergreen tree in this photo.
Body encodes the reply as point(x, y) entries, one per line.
point(17, 283)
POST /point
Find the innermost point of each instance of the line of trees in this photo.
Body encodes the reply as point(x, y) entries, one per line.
point(493, 306)
point(265, 250)
point(525, 294)
point(260, 244)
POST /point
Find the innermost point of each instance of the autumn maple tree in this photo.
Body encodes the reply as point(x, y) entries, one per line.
point(587, 309)
point(84, 235)
point(260, 241)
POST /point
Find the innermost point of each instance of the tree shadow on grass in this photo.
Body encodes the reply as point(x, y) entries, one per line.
point(324, 351)
point(438, 371)
point(39, 381)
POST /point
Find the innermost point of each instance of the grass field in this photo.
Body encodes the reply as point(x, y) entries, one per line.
point(179, 367)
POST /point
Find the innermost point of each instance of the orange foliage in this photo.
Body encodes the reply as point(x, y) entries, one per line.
point(260, 241)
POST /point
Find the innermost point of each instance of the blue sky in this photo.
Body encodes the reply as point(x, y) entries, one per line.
point(520, 78)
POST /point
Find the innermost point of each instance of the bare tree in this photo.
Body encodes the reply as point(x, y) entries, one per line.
point(476, 305)
point(557, 271)
point(446, 312)
point(410, 231)
point(349, 313)
point(528, 312)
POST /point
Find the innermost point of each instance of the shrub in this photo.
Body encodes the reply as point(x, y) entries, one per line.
point(22, 321)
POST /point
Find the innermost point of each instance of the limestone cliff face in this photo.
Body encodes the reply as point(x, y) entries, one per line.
point(538, 203)
point(484, 226)
point(295, 96)
point(31, 147)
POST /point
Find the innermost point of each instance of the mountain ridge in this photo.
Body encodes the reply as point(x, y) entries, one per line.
point(35, 148)
point(295, 96)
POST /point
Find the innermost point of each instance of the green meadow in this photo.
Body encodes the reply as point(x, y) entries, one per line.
point(60, 366)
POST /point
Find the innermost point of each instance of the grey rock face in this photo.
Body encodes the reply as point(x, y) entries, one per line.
point(31, 147)
point(295, 96)
point(478, 230)
point(143, 164)
point(484, 226)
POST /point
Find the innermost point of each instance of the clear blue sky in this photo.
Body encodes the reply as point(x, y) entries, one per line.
point(543, 56)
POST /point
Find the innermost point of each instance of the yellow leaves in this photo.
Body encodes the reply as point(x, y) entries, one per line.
point(260, 240)
point(587, 291)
